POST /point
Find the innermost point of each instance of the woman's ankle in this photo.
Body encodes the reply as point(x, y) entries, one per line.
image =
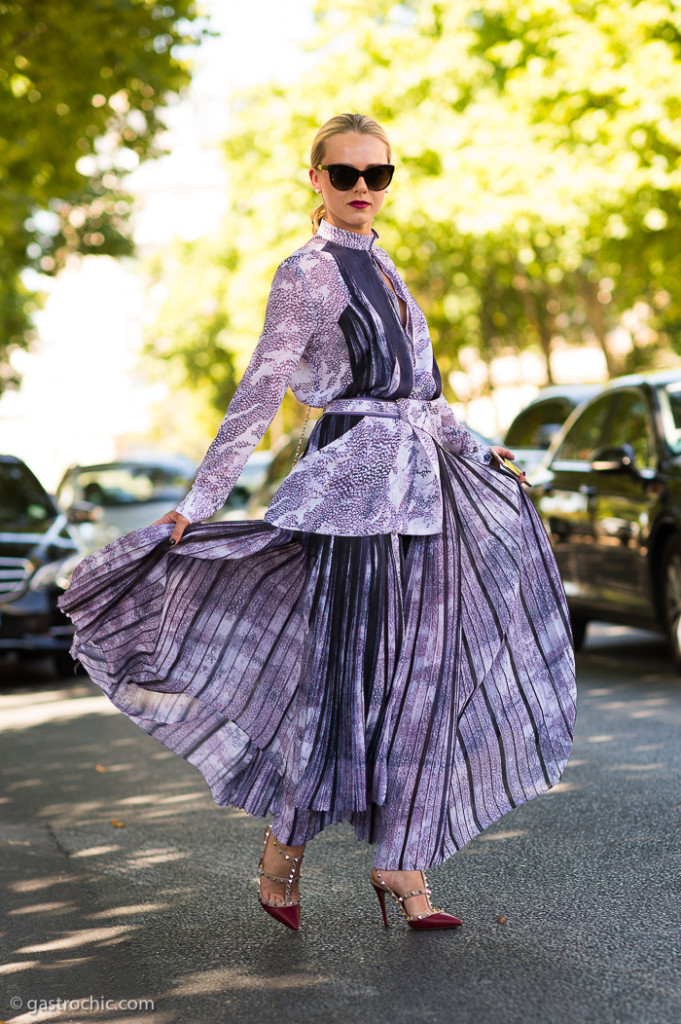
point(293, 851)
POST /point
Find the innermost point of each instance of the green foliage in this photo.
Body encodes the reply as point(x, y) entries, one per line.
point(189, 343)
point(82, 86)
point(538, 147)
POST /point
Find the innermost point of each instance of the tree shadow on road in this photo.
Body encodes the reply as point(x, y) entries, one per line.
point(123, 881)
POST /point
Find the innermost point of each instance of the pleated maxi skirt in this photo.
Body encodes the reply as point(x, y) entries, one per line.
point(419, 687)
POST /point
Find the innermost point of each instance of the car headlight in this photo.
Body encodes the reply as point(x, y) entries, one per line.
point(55, 574)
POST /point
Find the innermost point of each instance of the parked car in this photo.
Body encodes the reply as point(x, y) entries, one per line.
point(251, 480)
point(534, 428)
point(39, 549)
point(609, 493)
point(132, 493)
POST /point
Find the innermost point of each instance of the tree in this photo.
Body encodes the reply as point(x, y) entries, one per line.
point(82, 88)
point(538, 145)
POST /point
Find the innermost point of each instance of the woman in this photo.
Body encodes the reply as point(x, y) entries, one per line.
point(391, 645)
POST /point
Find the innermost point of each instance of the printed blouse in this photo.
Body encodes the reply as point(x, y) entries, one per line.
point(333, 331)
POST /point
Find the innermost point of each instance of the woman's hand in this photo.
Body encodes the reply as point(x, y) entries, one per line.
point(181, 524)
point(505, 453)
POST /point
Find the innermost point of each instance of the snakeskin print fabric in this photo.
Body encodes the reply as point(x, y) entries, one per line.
point(399, 657)
point(332, 330)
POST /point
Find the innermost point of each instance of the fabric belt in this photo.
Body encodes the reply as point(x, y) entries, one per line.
point(417, 413)
point(362, 407)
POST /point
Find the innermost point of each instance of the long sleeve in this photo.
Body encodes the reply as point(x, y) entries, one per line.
point(289, 325)
point(457, 438)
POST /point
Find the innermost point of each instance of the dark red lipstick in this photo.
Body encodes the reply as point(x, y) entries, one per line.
point(359, 204)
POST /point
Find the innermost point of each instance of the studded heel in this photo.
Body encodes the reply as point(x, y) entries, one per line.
point(288, 912)
point(430, 918)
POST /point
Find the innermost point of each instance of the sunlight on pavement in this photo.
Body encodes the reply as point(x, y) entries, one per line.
point(148, 858)
point(224, 978)
point(20, 965)
point(95, 851)
point(79, 938)
point(42, 908)
point(506, 834)
point(35, 884)
point(133, 908)
point(39, 712)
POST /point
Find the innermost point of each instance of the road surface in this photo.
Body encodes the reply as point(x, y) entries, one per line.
point(128, 895)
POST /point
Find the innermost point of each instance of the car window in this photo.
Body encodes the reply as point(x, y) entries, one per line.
point(631, 425)
point(670, 409)
point(131, 485)
point(588, 432)
point(534, 426)
point(66, 493)
point(21, 496)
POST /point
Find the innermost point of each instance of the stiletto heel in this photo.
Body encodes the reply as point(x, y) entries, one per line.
point(431, 918)
point(381, 899)
point(288, 912)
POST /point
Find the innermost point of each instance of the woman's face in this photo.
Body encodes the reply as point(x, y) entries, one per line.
point(356, 209)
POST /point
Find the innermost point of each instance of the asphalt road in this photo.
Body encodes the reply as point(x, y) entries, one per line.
point(164, 909)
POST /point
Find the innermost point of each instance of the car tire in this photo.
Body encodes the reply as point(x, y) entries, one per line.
point(64, 665)
point(578, 631)
point(670, 583)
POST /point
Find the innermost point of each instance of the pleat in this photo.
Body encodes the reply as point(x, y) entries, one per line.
point(418, 687)
point(201, 646)
point(352, 647)
point(483, 703)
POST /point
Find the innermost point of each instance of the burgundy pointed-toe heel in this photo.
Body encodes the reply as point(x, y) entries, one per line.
point(288, 912)
point(431, 918)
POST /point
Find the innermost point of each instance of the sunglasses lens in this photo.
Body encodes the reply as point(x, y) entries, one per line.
point(378, 178)
point(342, 177)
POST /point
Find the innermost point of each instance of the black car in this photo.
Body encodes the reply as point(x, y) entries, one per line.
point(609, 493)
point(532, 431)
point(39, 548)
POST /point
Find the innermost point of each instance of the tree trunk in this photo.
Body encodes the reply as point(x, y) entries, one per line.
point(595, 312)
point(542, 324)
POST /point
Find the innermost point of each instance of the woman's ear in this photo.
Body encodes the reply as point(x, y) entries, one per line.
point(314, 178)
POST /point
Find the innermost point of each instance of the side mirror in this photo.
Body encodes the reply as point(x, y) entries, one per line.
point(614, 459)
point(83, 512)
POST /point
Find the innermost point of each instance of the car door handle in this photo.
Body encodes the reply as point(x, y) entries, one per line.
point(588, 490)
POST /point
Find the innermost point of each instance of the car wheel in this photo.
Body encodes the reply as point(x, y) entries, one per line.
point(578, 631)
point(64, 665)
point(671, 596)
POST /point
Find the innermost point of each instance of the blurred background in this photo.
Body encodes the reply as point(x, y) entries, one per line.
point(153, 173)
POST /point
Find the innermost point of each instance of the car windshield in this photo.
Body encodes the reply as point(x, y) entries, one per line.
point(132, 485)
point(538, 424)
point(670, 409)
point(21, 496)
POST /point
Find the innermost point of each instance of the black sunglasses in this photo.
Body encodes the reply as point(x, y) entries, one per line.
point(344, 177)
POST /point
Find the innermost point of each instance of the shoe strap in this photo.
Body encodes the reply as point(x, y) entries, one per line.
point(293, 875)
point(274, 878)
point(426, 913)
point(288, 856)
point(273, 903)
point(401, 897)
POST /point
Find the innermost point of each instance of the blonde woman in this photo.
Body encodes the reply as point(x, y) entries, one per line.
point(390, 646)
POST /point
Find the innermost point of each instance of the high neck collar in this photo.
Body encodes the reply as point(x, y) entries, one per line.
point(350, 239)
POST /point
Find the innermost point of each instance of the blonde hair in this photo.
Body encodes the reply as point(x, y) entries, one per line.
point(342, 124)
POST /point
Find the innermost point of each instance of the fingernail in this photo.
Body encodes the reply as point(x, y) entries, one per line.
point(171, 542)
